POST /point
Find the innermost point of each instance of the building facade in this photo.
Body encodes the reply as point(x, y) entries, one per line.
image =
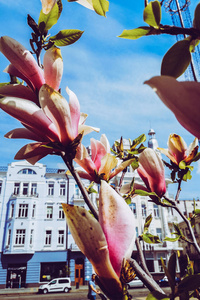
point(36, 245)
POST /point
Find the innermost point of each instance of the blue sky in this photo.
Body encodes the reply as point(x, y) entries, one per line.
point(106, 73)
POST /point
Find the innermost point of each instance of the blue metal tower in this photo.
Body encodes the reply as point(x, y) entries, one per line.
point(180, 14)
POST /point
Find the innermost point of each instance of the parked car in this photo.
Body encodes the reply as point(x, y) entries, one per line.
point(136, 282)
point(164, 281)
point(56, 285)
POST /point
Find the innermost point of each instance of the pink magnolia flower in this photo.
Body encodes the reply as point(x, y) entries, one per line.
point(107, 242)
point(151, 170)
point(182, 98)
point(24, 66)
point(101, 163)
point(56, 121)
point(178, 151)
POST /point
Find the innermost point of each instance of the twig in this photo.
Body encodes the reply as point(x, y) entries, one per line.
point(141, 256)
point(81, 186)
point(148, 281)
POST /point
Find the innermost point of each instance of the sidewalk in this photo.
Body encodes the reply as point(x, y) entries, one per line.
point(34, 290)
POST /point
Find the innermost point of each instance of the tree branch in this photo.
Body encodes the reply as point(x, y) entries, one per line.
point(81, 186)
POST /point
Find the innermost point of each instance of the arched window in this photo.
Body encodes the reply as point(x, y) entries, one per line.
point(26, 171)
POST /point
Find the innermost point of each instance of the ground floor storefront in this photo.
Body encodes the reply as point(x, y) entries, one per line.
point(32, 270)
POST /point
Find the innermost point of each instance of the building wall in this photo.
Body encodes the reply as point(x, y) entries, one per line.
point(34, 234)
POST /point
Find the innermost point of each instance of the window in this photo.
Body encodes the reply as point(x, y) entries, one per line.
point(26, 171)
point(50, 188)
point(12, 210)
point(25, 189)
point(49, 212)
point(62, 189)
point(133, 208)
point(48, 237)
point(1, 183)
point(61, 214)
point(16, 188)
point(33, 189)
point(136, 230)
point(33, 211)
point(20, 237)
point(144, 210)
point(159, 233)
point(8, 238)
point(31, 236)
point(156, 211)
point(76, 190)
point(60, 237)
point(23, 211)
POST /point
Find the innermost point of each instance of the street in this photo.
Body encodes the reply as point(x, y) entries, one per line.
point(137, 293)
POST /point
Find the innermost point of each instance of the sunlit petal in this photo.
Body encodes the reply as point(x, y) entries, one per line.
point(74, 107)
point(108, 162)
point(53, 67)
point(24, 133)
point(182, 98)
point(22, 59)
point(91, 240)
point(118, 224)
point(47, 5)
point(57, 109)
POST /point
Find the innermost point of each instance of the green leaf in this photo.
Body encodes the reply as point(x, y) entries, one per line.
point(171, 239)
point(196, 22)
point(157, 296)
point(171, 271)
point(150, 238)
point(152, 14)
point(128, 200)
point(189, 283)
point(100, 6)
point(134, 34)
point(144, 193)
point(197, 157)
point(182, 165)
point(187, 176)
point(177, 59)
point(197, 211)
point(138, 140)
point(147, 223)
point(66, 37)
point(46, 21)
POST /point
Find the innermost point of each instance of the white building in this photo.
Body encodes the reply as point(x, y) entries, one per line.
point(34, 239)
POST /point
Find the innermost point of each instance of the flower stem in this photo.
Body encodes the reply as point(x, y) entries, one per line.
point(82, 188)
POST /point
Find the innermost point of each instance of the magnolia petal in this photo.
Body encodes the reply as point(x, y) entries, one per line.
point(85, 129)
point(10, 69)
point(53, 67)
point(91, 240)
point(74, 107)
point(151, 170)
point(192, 150)
point(83, 117)
point(105, 142)
point(19, 91)
point(177, 147)
point(84, 160)
point(98, 152)
point(121, 167)
point(166, 152)
point(86, 3)
point(57, 109)
point(85, 175)
point(118, 224)
point(33, 152)
point(22, 59)
point(47, 5)
point(29, 113)
point(182, 98)
point(108, 163)
point(24, 133)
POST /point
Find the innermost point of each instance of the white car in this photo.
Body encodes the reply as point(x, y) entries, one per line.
point(136, 282)
point(56, 285)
